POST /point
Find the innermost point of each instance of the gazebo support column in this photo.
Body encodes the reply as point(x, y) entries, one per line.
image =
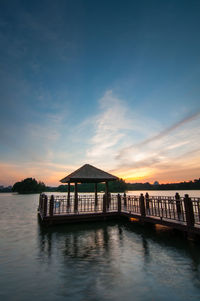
point(96, 197)
point(75, 198)
point(68, 196)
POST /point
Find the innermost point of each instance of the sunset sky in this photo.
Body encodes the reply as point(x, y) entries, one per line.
point(115, 84)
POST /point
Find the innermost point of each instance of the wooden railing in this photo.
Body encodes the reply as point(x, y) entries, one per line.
point(180, 209)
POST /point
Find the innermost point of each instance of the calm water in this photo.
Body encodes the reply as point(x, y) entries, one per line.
point(94, 261)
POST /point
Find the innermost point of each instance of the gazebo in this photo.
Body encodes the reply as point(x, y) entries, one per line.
point(87, 174)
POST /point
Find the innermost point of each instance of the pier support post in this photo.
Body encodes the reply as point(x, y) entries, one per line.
point(45, 200)
point(142, 206)
point(178, 204)
point(189, 211)
point(68, 196)
point(75, 198)
point(119, 202)
point(96, 196)
point(104, 204)
point(51, 205)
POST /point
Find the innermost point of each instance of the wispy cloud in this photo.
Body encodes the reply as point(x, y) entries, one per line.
point(116, 143)
point(163, 134)
point(169, 152)
point(110, 127)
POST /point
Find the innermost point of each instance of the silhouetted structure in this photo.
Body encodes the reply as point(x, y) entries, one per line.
point(88, 174)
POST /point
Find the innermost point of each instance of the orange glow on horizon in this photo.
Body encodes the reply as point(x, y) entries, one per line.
point(51, 174)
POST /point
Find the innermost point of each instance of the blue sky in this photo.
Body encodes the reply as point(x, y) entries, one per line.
point(111, 83)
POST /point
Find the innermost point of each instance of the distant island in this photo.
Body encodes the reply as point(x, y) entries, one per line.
point(31, 185)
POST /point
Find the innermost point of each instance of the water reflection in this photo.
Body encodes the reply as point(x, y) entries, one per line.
point(82, 240)
point(105, 257)
point(79, 241)
point(146, 249)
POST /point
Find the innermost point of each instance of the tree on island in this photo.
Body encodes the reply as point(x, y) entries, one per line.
point(29, 185)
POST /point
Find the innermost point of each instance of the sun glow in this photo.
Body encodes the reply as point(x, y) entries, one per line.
point(135, 175)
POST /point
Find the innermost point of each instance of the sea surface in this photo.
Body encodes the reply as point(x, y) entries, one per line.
point(92, 261)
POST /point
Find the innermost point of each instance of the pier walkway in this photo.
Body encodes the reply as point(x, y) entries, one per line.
point(176, 212)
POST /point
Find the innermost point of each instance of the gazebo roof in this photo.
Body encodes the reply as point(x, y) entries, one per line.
point(88, 174)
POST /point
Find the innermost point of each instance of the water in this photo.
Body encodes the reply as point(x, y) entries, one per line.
point(192, 193)
point(91, 261)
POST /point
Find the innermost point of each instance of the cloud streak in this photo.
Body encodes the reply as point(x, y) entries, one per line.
point(167, 153)
point(115, 127)
point(110, 128)
point(162, 134)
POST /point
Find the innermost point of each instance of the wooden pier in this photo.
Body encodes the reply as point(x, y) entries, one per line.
point(175, 212)
point(182, 213)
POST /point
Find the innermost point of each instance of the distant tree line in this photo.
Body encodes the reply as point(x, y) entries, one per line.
point(192, 185)
point(31, 185)
point(6, 189)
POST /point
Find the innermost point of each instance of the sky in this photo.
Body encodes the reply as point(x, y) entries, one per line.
point(115, 84)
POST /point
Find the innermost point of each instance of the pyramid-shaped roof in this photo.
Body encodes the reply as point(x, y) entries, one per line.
point(88, 174)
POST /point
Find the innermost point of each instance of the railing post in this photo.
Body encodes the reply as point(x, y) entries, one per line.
point(68, 196)
point(106, 193)
point(75, 198)
point(96, 196)
point(108, 200)
point(142, 206)
point(104, 203)
point(40, 202)
point(178, 204)
point(68, 204)
point(45, 200)
point(189, 211)
point(125, 200)
point(119, 202)
point(51, 205)
point(147, 200)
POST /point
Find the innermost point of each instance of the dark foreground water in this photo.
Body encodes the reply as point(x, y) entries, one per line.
point(94, 261)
